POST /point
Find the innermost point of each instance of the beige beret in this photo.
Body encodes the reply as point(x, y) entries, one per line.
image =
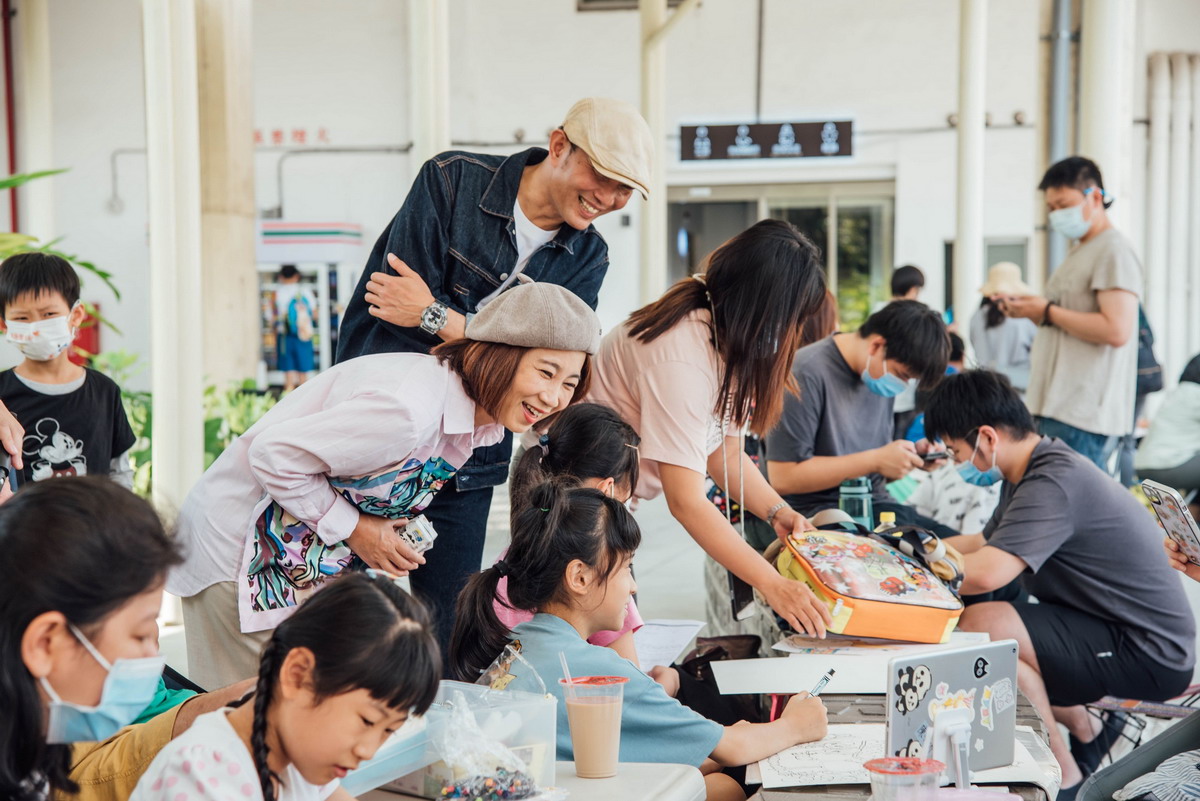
point(537, 315)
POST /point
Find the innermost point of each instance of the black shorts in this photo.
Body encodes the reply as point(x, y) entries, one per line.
point(1084, 658)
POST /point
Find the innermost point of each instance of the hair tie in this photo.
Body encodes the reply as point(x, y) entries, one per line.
point(635, 447)
point(544, 444)
point(502, 568)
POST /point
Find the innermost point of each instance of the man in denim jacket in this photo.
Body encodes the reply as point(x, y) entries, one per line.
point(470, 225)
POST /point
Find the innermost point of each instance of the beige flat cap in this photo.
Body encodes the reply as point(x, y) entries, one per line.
point(537, 315)
point(615, 138)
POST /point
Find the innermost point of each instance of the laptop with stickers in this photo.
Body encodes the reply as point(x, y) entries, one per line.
point(977, 686)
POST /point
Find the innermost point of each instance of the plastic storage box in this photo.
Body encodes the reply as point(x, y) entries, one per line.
point(524, 722)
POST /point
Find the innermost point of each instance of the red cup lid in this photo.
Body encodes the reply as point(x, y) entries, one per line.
point(904, 765)
point(595, 681)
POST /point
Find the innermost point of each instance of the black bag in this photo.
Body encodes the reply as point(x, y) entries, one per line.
point(1149, 371)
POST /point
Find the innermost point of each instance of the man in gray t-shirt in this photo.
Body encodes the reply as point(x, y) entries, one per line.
point(1112, 619)
point(840, 426)
point(1083, 366)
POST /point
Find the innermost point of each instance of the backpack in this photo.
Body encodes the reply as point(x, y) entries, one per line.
point(873, 589)
point(1149, 371)
point(299, 318)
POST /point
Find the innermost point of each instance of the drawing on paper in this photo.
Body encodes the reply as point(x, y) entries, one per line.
point(836, 759)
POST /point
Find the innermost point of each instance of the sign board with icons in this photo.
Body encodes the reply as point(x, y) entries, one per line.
point(768, 140)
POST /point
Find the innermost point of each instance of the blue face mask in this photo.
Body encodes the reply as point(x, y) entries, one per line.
point(980, 478)
point(1070, 221)
point(887, 385)
point(128, 690)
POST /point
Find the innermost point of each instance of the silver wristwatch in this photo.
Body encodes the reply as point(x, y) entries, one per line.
point(434, 317)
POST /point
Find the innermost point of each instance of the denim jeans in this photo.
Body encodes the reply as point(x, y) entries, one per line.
point(460, 518)
point(1096, 448)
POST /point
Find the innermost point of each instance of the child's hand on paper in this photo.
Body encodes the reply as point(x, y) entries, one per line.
point(807, 717)
point(668, 677)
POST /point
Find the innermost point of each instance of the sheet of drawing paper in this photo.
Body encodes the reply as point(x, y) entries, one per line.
point(836, 644)
point(660, 642)
point(801, 672)
point(835, 759)
point(1033, 763)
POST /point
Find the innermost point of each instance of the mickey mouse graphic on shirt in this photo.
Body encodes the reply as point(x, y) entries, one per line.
point(54, 453)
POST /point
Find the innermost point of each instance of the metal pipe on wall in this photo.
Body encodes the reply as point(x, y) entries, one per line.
point(1156, 192)
point(1060, 110)
point(1176, 323)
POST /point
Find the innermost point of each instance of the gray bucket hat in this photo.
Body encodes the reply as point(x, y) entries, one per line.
point(537, 315)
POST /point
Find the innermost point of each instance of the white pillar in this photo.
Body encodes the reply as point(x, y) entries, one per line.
point(653, 229)
point(1194, 227)
point(35, 124)
point(1157, 182)
point(1175, 329)
point(226, 119)
point(968, 239)
point(429, 81)
point(173, 179)
point(1106, 91)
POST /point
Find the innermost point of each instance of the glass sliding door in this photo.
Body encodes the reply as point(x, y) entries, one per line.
point(857, 258)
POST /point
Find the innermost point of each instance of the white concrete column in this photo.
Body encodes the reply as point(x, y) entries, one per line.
point(1106, 51)
point(34, 124)
point(226, 114)
point(1194, 202)
point(173, 178)
point(972, 82)
point(1157, 195)
point(1174, 336)
point(653, 229)
point(429, 81)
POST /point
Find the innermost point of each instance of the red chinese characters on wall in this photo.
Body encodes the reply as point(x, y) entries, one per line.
point(291, 137)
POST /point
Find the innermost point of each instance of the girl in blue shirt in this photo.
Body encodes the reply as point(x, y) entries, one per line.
point(571, 558)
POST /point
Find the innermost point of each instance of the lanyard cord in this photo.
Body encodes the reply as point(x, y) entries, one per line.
point(741, 528)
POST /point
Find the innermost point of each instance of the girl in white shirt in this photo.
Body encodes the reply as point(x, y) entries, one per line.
point(326, 478)
point(328, 695)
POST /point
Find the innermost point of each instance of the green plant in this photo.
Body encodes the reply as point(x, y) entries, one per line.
point(121, 366)
point(228, 413)
point(15, 242)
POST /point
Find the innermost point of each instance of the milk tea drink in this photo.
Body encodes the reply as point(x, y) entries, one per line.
point(594, 716)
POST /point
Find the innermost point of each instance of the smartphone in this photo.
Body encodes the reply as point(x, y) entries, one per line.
point(1173, 515)
point(934, 456)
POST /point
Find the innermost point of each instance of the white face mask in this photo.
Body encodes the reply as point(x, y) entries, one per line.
point(43, 340)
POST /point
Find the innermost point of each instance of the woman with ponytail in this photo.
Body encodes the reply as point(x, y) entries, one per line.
point(590, 445)
point(571, 558)
point(694, 368)
point(354, 684)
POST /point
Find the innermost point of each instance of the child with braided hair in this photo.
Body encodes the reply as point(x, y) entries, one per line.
point(356, 685)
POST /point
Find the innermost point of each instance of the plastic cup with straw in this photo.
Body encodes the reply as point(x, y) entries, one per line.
point(594, 715)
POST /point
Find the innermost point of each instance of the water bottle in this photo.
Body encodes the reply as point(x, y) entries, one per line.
point(854, 498)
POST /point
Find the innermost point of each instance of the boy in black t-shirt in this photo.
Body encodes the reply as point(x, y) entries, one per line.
point(73, 417)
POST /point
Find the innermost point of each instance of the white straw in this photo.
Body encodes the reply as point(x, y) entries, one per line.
point(567, 675)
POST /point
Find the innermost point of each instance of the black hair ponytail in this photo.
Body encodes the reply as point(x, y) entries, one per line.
point(586, 440)
point(559, 524)
point(389, 651)
point(268, 671)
